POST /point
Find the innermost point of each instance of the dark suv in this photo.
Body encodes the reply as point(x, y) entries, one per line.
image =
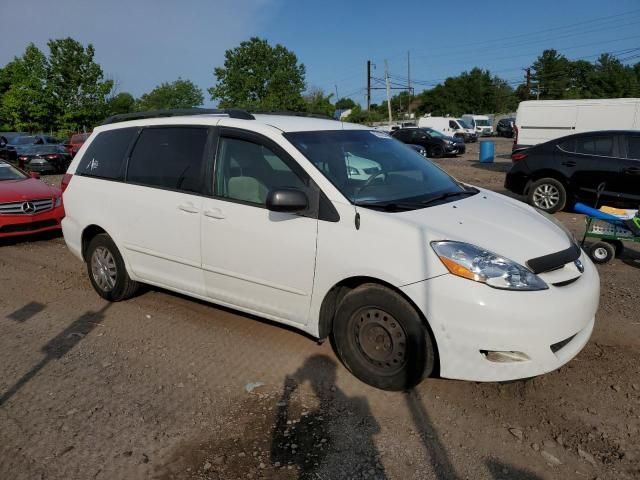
point(504, 128)
point(435, 143)
point(558, 173)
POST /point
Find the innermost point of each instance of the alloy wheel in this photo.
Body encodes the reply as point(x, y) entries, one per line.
point(104, 269)
point(546, 196)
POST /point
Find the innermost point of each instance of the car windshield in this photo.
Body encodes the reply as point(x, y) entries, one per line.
point(25, 140)
point(8, 172)
point(463, 124)
point(373, 169)
point(482, 123)
point(434, 133)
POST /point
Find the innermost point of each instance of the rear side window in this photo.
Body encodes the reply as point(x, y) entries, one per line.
point(633, 147)
point(169, 157)
point(595, 145)
point(105, 156)
point(568, 145)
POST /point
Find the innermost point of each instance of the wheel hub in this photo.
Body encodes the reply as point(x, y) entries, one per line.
point(546, 196)
point(103, 269)
point(380, 338)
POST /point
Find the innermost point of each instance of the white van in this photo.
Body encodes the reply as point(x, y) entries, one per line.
point(481, 124)
point(539, 121)
point(406, 268)
point(449, 126)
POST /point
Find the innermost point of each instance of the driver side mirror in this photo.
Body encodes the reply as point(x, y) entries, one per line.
point(34, 174)
point(286, 200)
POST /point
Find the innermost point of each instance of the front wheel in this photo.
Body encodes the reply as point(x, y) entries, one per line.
point(547, 194)
point(380, 338)
point(107, 271)
point(436, 151)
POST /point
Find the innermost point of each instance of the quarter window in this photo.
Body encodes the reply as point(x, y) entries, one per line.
point(246, 171)
point(568, 145)
point(595, 145)
point(105, 156)
point(169, 157)
point(633, 147)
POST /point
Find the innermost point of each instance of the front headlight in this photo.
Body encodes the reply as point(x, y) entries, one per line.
point(353, 171)
point(474, 263)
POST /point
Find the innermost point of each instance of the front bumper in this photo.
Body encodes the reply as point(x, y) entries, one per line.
point(468, 318)
point(458, 148)
point(17, 225)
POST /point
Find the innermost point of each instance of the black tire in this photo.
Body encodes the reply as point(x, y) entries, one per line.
point(436, 151)
point(380, 338)
point(602, 252)
point(547, 194)
point(109, 268)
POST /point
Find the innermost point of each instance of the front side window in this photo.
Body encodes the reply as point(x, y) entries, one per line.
point(169, 157)
point(453, 125)
point(246, 171)
point(391, 176)
point(105, 156)
point(595, 145)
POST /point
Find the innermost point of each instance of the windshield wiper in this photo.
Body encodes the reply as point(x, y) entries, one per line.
point(446, 195)
point(390, 206)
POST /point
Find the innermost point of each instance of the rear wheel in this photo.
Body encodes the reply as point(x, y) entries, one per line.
point(380, 338)
point(107, 271)
point(547, 194)
point(602, 252)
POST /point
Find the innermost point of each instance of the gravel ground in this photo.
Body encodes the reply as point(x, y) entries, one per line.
point(166, 387)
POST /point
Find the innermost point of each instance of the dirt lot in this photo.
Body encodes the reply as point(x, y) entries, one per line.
point(164, 387)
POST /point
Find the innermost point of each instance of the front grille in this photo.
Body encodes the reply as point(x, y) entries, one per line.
point(18, 208)
point(560, 345)
point(28, 227)
point(371, 170)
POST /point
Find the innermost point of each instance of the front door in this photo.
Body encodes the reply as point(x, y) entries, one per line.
point(253, 258)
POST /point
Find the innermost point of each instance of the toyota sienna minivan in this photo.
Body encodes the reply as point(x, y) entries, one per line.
point(408, 270)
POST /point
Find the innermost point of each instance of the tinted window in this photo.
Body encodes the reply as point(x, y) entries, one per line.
point(568, 145)
point(105, 157)
point(170, 157)
point(633, 147)
point(595, 145)
point(453, 124)
point(246, 171)
point(402, 135)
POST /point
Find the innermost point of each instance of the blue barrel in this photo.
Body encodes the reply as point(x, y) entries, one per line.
point(486, 151)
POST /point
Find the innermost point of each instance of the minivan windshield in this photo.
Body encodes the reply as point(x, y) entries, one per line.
point(374, 170)
point(462, 123)
point(482, 123)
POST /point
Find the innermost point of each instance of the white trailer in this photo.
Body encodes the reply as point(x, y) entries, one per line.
point(538, 121)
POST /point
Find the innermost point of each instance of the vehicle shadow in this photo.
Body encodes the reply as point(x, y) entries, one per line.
point(30, 238)
point(59, 346)
point(334, 440)
point(500, 167)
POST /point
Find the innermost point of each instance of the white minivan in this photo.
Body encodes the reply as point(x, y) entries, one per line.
point(538, 121)
point(410, 271)
point(451, 127)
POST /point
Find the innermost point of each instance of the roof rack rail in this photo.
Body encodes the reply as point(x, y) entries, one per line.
point(180, 112)
point(293, 114)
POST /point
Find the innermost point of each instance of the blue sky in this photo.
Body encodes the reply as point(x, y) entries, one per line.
point(141, 43)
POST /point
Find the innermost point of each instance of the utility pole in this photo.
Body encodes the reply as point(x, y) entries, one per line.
point(528, 81)
point(386, 80)
point(368, 85)
point(409, 82)
point(337, 98)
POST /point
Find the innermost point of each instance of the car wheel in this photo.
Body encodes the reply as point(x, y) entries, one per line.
point(436, 151)
point(380, 338)
point(602, 252)
point(107, 271)
point(547, 194)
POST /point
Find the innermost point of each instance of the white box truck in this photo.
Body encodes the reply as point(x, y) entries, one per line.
point(539, 121)
point(449, 126)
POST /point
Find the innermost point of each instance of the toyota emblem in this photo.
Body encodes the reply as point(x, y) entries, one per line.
point(28, 207)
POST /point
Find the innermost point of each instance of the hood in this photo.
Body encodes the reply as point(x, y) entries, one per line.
point(29, 189)
point(494, 222)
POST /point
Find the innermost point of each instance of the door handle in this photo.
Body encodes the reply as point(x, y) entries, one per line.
point(188, 207)
point(631, 170)
point(214, 213)
point(569, 163)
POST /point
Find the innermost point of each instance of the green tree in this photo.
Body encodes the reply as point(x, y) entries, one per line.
point(121, 103)
point(551, 76)
point(260, 77)
point(178, 94)
point(345, 104)
point(76, 85)
point(612, 79)
point(317, 102)
point(25, 103)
